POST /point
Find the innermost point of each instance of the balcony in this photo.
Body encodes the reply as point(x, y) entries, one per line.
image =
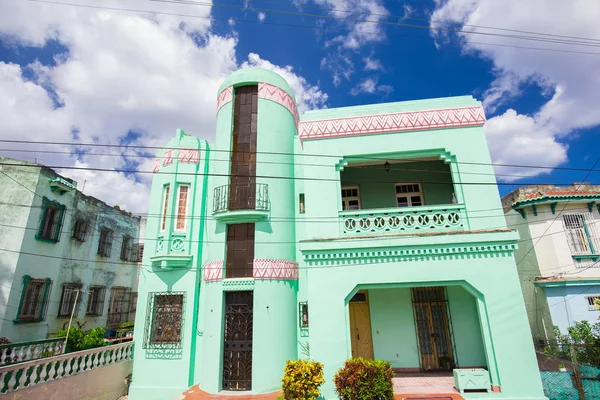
point(436, 218)
point(240, 204)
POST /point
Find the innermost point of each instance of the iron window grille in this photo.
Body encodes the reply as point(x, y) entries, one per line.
point(105, 243)
point(51, 221)
point(34, 299)
point(581, 234)
point(67, 300)
point(127, 248)
point(80, 230)
point(95, 305)
point(164, 320)
point(118, 305)
point(592, 305)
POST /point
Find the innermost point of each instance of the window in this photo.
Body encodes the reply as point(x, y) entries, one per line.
point(163, 328)
point(350, 198)
point(581, 234)
point(34, 299)
point(132, 306)
point(95, 305)
point(140, 252)
point(67, 300)
point(105, 244)
point(593, 303)
point(409, 195)
point(50, 224)
point(126, 248)
point(80, 229)
point(118, 305)
point(182, 201)
point(301, 203)
point(163, 223)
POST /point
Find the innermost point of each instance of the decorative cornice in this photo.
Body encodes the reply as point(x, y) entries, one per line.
point(396, 122)
point(213, 271)
point(270, 92)
point(265, 268)
point(328, 258)
point(238, 284)
point(224, 97)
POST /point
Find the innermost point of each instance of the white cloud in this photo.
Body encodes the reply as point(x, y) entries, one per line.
point(340, 65)
point(566, 78)
point(123, 72)
point(409, 11)
point(308, 96)
point(372, 64)
point(369, 85)
point(262, 16)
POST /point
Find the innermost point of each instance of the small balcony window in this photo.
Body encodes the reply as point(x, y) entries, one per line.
point(581, 234)
point(105, 243)
point(51, 221)
point(163, 223)
point(95, 305)
point(350, 198)
point(182, 206)
point(67, 300)
point(119, 305)
point(80, 229)
point(127, 249)
point(409, 195)
point(34, 299)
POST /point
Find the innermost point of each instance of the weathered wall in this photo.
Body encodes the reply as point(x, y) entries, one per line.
point(106, 383)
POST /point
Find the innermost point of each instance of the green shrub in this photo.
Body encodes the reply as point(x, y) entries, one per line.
point(362, 379)
point(78, 340)
point(302, 379)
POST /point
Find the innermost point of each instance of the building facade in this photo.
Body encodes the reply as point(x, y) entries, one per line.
point(62, 253)
point(349, 231)
point(558, 255)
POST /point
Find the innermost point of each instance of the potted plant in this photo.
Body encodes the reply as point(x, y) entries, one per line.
point(561, 368)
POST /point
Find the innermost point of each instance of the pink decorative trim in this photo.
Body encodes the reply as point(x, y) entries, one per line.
point(167, 158)
point(189, 156)
point(156, 165)
point(265, 268)
point(278, 95)
point(225, 97)
point(397, 122)
point(213, 271)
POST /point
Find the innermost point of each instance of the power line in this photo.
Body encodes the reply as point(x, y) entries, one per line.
point(291, 25)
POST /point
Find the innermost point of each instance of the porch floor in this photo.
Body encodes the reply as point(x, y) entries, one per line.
point(430, 385)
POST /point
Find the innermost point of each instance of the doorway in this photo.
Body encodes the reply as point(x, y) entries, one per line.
point(237, 347)
point(433, 328)
point(360, 326)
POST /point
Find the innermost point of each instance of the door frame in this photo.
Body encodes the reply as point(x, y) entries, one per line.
point(350, 319)
point(448, 324)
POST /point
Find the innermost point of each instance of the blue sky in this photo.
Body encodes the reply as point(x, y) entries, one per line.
point(75, 73)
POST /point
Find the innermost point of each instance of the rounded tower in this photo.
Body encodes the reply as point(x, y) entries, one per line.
point(250, 272)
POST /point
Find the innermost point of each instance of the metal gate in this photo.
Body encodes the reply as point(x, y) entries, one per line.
point(237, 349)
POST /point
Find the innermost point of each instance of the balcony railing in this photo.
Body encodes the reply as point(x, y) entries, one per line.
point(437, 218)
point(246, 197)
point(26, 351)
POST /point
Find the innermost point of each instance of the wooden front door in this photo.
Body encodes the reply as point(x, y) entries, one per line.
point(360, 326)
point(431, 318)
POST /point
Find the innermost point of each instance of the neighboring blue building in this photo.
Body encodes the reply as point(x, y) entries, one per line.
point(559, 253)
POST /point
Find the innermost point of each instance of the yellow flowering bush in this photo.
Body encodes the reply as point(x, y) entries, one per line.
point(302, 379)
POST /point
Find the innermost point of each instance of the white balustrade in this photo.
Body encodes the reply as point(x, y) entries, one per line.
point(438, 218)
point(15, 376)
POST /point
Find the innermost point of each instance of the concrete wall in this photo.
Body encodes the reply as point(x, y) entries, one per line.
point(105, 383)
point(568, 304)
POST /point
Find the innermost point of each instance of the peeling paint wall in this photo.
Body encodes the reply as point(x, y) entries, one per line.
point(68, 261)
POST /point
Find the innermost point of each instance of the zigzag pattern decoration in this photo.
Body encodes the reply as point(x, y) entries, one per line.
point(213, 271)
point(278, 95)
point(189, 156)
point(265, 268)
point(224, 97)
point(397, 122)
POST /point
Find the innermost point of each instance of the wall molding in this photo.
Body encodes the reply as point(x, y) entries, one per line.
point(329, 258)
point(213, 271)
point(395, 122)
point(224, 97)
point(265, 268)
point(271, 92)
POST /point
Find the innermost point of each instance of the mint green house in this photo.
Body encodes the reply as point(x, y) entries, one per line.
point(358, 231)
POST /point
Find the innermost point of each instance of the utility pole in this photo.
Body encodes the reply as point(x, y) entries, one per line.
point(72, 313)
